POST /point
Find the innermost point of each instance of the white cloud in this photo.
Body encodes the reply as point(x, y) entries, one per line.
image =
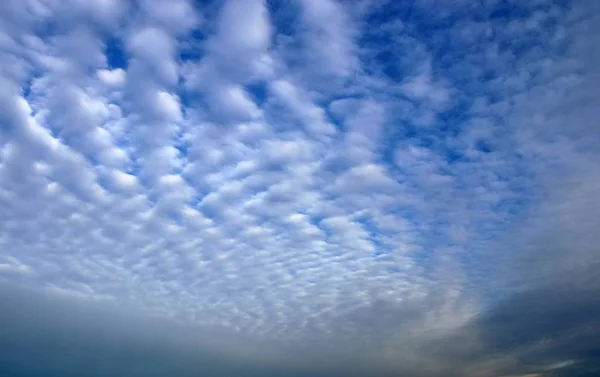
point(421, 88)
point(123, 180)
point(312, 117)
point(178, 16)
point(235, 102)
point(329, 38)
point(112, 77)
point(13, 265)
point(152, 50)
point(277, 191)
point(244, 27)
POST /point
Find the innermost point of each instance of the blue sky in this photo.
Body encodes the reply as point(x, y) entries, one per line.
point(358, 176)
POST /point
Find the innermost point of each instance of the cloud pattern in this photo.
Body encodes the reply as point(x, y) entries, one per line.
point(296, 171)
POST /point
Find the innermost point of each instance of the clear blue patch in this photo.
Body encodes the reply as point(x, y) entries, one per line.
point(284, 16)
point(26, 88)
point(258, 91)
point(483, 146)
point(116, 56)
point(191, 48)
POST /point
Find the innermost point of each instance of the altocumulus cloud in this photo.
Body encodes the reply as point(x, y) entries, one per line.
point(306, 187)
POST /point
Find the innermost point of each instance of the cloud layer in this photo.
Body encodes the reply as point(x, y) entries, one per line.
point(367, 180)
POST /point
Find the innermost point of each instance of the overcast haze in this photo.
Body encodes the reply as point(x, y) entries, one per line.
point(299, 188)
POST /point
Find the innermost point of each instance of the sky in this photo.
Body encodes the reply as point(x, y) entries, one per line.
point(299, 188)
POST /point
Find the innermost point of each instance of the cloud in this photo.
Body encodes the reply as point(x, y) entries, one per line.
point(363, 187)
point(327, 23)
